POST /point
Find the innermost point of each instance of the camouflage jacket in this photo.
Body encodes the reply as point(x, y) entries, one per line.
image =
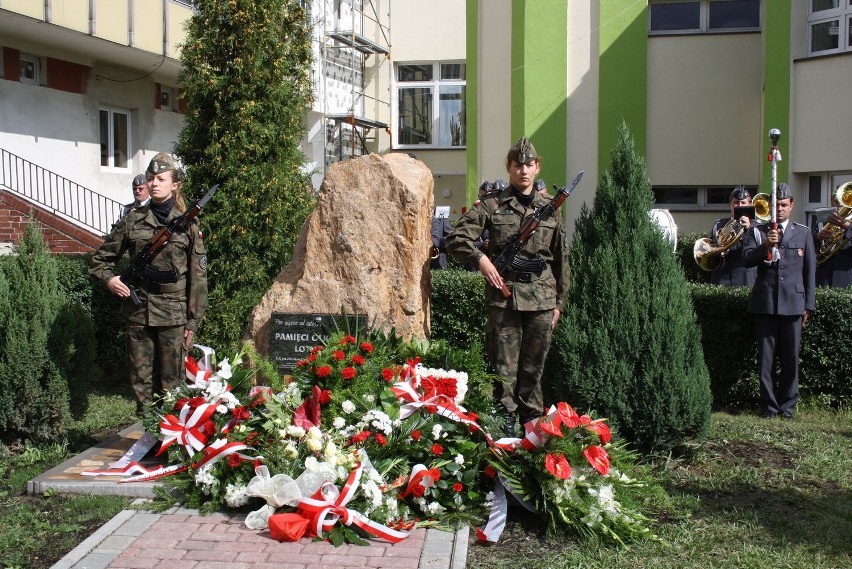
point(501, 214)
point(183, 302)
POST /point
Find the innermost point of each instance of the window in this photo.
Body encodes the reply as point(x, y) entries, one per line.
point(430, 105)
point(666, 16)
point(29, 69)
point(829, 26)
point(115, 138)
point(711, 198)
point(166, 99)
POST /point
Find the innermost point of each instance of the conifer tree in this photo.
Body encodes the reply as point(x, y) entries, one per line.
point(628, 346)
point(34, 398)
point(246, 73)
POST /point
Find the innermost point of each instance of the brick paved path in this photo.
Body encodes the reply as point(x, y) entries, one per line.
point(183, 539)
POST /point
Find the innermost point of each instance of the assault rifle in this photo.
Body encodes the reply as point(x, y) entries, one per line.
point(140, 267)
point(509, 259)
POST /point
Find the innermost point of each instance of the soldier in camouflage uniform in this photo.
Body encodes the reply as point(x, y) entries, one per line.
point(159, 331)
point(519, 327)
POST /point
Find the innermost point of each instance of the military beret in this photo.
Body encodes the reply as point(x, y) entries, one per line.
point(523, 151)
point(783, 192)
point(739, 193)
point(139, 180)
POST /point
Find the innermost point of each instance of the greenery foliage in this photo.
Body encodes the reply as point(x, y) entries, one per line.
point(458, 313)
point(34, 398)
point(246, 72)
point(628, 345)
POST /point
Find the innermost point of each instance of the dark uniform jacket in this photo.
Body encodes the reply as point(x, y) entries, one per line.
point(501, 214)
point(183, 302)
point(836, 272)
point(786, 287)
point(734, 271)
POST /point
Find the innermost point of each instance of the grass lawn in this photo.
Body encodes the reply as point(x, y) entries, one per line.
point(758, 493)
point(37, 531)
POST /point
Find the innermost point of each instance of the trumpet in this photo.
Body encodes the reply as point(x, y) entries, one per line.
point(836, 240)
point(711, 257)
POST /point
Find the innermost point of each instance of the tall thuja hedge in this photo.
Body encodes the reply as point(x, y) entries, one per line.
point(246, 73)
point(628, 346)
point(34, 398)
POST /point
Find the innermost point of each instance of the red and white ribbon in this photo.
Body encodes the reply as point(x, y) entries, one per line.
point(132, 468)
point(421, 477)
point(187, 430)
point(327, 506)
point(217, 450)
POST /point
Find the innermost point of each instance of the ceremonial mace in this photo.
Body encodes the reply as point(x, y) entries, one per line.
point(774, 157)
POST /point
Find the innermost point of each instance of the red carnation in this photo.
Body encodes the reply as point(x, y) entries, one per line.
point(241, 413)
point(338, 355)
point(458, 487)
point(325, 397)
point(415, 435)
point(490, 471)
point(316, 349)
point(323, 371)
point(312, 357)
point(367, 347)
point(347, 340)
point(348, 372)
point(358, 360)
point(437, 449)
point(472, 416)
point(234, 460)
point(360, 437)
point(387, 374)
point(301, 363)
point(380, 438)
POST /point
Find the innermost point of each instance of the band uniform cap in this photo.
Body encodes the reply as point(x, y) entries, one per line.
point(739, 193)
point(783, 192)
point(140, 180)
point(162, 162)
point(523, 151)
point(539, 185)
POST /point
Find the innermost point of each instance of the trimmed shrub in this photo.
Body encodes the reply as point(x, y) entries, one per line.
point(246, 72)
point(458, 307)
point(685, 245)
point(34, 398)
point(628, 346)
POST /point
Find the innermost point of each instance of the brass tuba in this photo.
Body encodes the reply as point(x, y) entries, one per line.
point(837, 240)
point(710, 257)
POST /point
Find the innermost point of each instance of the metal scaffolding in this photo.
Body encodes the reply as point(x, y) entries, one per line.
point(353, 31)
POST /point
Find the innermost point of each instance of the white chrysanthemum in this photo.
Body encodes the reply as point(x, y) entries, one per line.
point(295, 432)
point(459, 459)
point(435, 508)
point(330, 452)
point(221, 409)
point(436, 431)
point(348, 407)
point(338, 423)
point(235, 496)
point(290, 451)
point(378, 420)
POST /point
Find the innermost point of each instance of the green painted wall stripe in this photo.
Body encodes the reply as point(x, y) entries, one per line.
point(539, 102)
point(472, 99)
point(623, 69)
point(776, 87)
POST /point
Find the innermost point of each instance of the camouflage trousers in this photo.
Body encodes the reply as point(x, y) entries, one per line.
point(157, 360)
point(517, 343)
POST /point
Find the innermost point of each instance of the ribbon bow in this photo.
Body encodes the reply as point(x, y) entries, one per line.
point(188, 429)
point(327, 506)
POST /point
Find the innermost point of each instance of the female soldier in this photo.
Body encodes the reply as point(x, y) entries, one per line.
point(161, 328)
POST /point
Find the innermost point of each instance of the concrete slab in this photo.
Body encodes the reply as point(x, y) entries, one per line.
point(66, 478)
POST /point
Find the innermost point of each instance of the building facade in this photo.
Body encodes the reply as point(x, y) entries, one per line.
point(699, 82)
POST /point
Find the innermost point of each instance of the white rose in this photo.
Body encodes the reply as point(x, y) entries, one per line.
point(348, 406)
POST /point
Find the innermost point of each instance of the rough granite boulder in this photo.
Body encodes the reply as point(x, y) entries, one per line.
point(363, 250)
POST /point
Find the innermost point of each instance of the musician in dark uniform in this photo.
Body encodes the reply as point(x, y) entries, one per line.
point(836, 271)
point(733, 271)
point(781, 300)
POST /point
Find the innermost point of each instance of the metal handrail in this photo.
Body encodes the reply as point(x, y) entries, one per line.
point(63, 197)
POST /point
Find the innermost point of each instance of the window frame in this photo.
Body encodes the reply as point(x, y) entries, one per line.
point(36, 62)
point(701, 194)
point(111, 135)
point(434, 87)
point(843, 15)
point(703, 19)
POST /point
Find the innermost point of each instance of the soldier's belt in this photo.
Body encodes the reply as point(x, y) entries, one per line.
point(522, 276)
point(160, 288)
